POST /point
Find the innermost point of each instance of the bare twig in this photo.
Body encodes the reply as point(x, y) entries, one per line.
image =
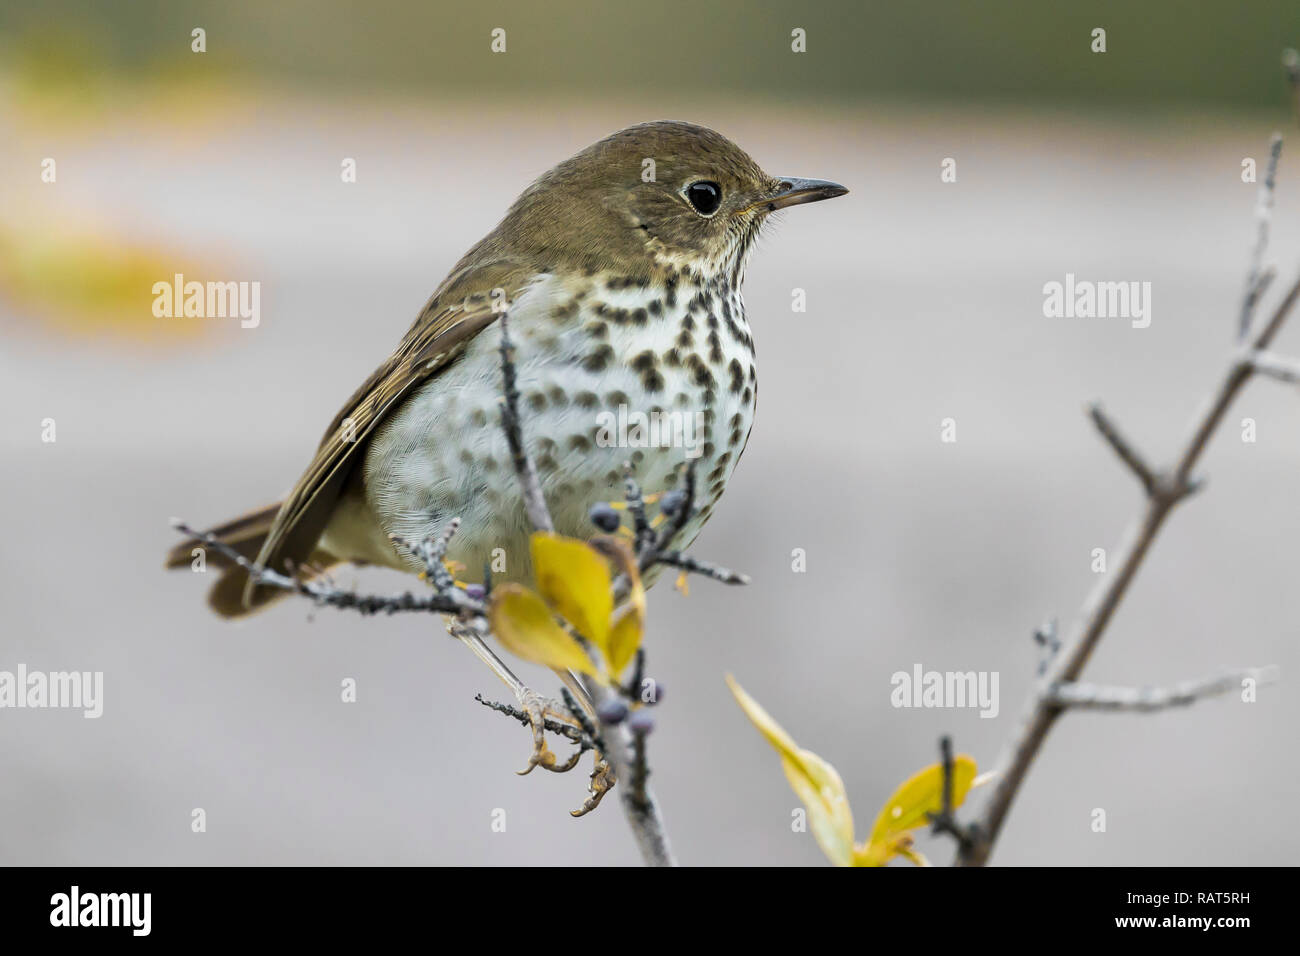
point(708, 569)
point(323, 591)
point(946, 821)
point(556, 727)
point(1080, 696)
point(635, 501)
point(1277, 366)
point(1127, 453)
point(678, 507)
point(1257, 279)
point(640, 768)
point(683, 509)
point(1047, 639)
point(529, 484)
point(1165, 489)
point(639, 804)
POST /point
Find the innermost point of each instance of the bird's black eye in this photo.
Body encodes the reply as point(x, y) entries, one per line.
point(705, 196)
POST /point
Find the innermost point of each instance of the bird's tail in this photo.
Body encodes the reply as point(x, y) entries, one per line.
point(245, 535)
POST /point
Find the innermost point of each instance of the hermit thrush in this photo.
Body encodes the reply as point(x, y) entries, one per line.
point(621, 270)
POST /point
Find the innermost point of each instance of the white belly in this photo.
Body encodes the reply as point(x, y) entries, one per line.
point(443, 454)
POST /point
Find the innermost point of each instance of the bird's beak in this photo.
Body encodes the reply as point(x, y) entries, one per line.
point(794, 192)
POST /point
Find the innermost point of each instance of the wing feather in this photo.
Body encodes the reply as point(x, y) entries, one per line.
point(462, 308)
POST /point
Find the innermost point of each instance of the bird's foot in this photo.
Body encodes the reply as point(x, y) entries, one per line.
point(602, 781)
point(542, 714)
point(562, 718)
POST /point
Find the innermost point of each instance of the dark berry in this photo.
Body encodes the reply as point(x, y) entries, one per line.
point(672, 502)
point(477, 591)
point(612, 712)
point(641, 722)
point(605, 518)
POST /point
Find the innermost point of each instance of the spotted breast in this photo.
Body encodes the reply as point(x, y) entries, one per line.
point(611, 370)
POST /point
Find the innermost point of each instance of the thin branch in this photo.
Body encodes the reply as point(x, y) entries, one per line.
point(632, 689)
point(635, 501)
point(1081, 696)
point(1046, 638)
point(1277, 366)
point(945, 821)
point(1122, 447)
point(323, 591)
point(708, 569)
point(640, 768)
point(678, 506)
point(1256, 282)
point(1253, 296)
point(556, 727)
point(683, 509)
point(525, 470)
point(639, 806)
point(1064, 668)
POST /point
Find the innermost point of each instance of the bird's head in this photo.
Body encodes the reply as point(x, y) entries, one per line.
point(662, 194)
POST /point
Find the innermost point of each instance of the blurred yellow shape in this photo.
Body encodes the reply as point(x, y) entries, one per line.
point(574, 584)
point(574, 580)
point(90, 285)
point(526, 627)
point(821, 791)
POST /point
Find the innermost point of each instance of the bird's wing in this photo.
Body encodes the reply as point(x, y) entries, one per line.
point(462, 307)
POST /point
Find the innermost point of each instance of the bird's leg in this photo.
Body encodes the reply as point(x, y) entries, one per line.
point(533, 707)
point(537, 708)
point(572, 718)
point(574, 683)
point(583, 709)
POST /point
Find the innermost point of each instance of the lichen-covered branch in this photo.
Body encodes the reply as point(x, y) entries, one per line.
point(1081, 696)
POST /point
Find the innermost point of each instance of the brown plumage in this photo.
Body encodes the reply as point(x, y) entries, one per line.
point(594, 221)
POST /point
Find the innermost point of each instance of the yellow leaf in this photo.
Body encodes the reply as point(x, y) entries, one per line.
point(814, 781)
point(910, 807)
point(769, 728)
point(624, 638)
point(916, 857)
point(629, 619)
point(620, 553)
point(526, 627)
point(574, 580)
point(822, 793)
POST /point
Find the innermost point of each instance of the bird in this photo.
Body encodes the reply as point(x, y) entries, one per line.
point(620, 270)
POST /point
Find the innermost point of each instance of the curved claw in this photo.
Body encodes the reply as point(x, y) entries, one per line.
point(538, 708)
point(534, 705)
point(568, 764)
point(543, 757)
point(602, 781)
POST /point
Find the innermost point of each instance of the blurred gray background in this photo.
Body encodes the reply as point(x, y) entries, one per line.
point(924, 302)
